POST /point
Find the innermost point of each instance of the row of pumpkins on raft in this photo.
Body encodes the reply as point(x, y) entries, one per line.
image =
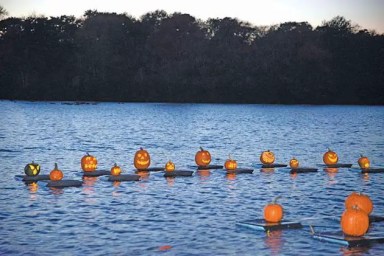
point(354, 220)
point(142, 160)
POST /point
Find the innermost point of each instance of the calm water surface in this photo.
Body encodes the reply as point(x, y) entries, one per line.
point(194, 215)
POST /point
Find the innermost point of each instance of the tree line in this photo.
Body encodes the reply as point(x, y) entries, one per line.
point(163, 57)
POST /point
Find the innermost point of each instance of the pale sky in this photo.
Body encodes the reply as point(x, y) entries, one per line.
point(369, 14)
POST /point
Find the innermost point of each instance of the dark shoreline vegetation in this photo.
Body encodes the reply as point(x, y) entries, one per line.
point(176, 58)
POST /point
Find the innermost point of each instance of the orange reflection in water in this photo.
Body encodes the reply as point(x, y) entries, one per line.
point(231, 176)
point(267, 170)
point(331, 172)
point(170, 181)
point(56, 191)
point(355, 251)
point(144, 175)
point(274, 241)
point(33, 187)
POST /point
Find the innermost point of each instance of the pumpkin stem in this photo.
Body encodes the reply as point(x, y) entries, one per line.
point(274, 201)
point(56, 167)
point(115, 165)
point(201, 148)
point(87, 154)
point(141, 148)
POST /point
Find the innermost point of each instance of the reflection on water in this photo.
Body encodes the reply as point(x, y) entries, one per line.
point(274, 241)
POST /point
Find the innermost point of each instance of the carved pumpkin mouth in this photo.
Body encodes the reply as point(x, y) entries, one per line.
point(206, 160)
point(142, 161)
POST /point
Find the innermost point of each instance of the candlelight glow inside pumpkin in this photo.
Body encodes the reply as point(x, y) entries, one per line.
point(362, 201)
point(330, 157)
point(115, 170)
point(88, 163)
point(363, 162)
point(202, 157)
point(32, 169)
point(230, 164)
point(294, 163)
point(169, 166)
point(56, 174)
point(273, 212)
point(354, 222)
point(267, 157)
point(142, 159)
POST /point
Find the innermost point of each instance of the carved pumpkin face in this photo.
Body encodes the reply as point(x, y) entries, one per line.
point(202, 157)
point(363, 162)
point(330, 157)
point(115, 170)
point(273, 212)
point(363, 202)
point(354, 222)
point(230, 164)
point(267, 157)
point(142, 160)
point(32, 169)
point(56, 174)
point(88, 163)
point(169, 166)
point(294, 163)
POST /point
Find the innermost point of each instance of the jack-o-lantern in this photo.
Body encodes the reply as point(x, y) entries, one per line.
point(354, 222)
point(142, 159)
point(202, 157)
point(273, 212)
point(294, 163)
point(170, 166)
point(115, 170)
point(32, 169)
point(88, 163)
point(362, 201)
point(56, 174)
point(330, 157)
point(363, 162)
point(230, 164)
point(267, 157)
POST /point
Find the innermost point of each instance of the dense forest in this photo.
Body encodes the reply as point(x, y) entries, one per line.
point(175, 57)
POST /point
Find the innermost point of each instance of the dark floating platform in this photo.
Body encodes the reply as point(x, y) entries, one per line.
point(124, 177)
point(64, 183)
point(375, 218)
point(213, 166)
point(96, 173)
point(302, 170)
point(352, 241)
point(336, 165)
point(151, 169)
point(32, 178)
point(240, 170)
point(273, 165)
point(372, 170)
point(176, 173)
point(261, 224)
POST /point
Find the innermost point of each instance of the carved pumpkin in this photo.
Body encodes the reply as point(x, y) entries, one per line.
point(267, 157)
point(294, 163)
point(273, 212)
point(362, 201)
point(330, 157)
point(32, 169)
point(354, 222)
point(115, 170)
point(363, 162)
point(56, 174)
point(230, 164)
point(169, 166)
point(202, 157)
point(88, 163)
point(142, 159)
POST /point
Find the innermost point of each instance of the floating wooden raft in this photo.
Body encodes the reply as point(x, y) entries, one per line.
point(64, 183)
point(302, 170)
point(372, 170)
point(261, 224)
point(336, 165)
point(176, 173)
point(124, 177)
point(32, 178)
point(151, 169)
point(96, 173)
point(209, 167)
point(375, 218)
point(273, 165)
point(240, 170)
point(340, 238)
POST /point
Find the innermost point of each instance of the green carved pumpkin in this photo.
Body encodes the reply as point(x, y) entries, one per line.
point(32, 169)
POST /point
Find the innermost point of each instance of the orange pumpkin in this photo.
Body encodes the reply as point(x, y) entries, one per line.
point(362, 201)
point(354, 222)
point(88, 163)
point(330, 157)
point(230, 164)
point(202, 157)
point(170, 166)
point(142, 159)
point(294, 163)
point(56, 174)
point(115, 170)
point(363, 162)
point(267, 157)
point(273, 212)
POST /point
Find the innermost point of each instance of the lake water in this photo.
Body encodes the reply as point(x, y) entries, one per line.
point(195, 215)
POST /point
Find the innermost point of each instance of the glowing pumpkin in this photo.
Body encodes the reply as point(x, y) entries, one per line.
point(32, 169)
point(362, 201)
point(202, 157)
point(115, 170)
point(330, 157)
point(354, 222)
point(363, 162)
point(169, 166)
point(267, 157)
point(88, 163)
point(230, 164)
point(56, 174)
point(273, 212)
point(142, 159)
point(294, 163)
